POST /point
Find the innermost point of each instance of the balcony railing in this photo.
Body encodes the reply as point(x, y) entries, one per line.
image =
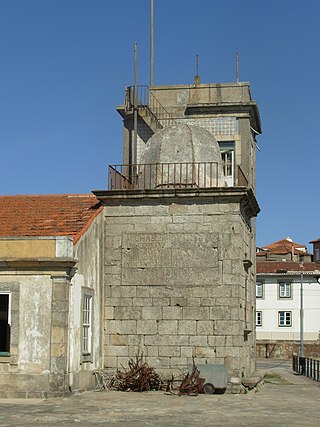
point(164, 175)
point(147, 101)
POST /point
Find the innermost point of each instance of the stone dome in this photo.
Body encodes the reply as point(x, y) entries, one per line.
point(181, 156)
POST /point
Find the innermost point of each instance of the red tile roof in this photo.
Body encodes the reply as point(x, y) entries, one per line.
point(286, 266)
point(47, 215)
point(282, 247)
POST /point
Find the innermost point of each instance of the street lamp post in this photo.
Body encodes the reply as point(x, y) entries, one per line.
point(301, 316)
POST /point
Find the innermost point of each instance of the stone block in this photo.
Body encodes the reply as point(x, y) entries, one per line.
point(119, 302)
point(219, 313)
point(194, 301)
point(227, 327)
point(149, 313)
point(220, 341)
point(205, 327)
point(142, 291)
point(127, 313)
point(238, 341)
point(161, 219)
point(58, 350)
point(147, 327)
point(142, 302)
point(112, 279)
point(160, 340)
point(187, 327)
point(171, 351)
point(194, 257)
point(156, 362)
point(227, 302)
point(219, 290)
point(232, 352)
point(152, 351)
point(128, 327)
point(198, 340)
point(187, 352)
point(135, 339)
point(189, 219)
point(179, 361)
point(60, 291)
point(167, 327)
point(172, 312)
point(59, 318)
point(114, 229)
point(178, 301)
point(163, 302)
point(196, 313)
point(108, 312)
point(117, 351)
point(58, 335)
point(118, 340)
point(124, 291)
point(205, 351)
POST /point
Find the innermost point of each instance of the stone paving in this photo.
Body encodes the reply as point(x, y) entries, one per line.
point(293, 404)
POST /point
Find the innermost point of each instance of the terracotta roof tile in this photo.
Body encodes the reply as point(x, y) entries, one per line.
point(47, 215)
point(282, 247)
point(286, 266)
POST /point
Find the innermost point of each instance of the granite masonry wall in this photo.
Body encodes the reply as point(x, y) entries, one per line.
point(176, 286)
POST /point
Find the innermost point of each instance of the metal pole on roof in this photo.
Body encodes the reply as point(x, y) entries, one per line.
point(135, 112)
point(151, 43)
point(237, 67)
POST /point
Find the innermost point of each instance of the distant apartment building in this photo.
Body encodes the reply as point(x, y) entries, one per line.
point(284, 270)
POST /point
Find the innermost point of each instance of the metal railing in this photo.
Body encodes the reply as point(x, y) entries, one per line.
point(164, 175)
point(306, 366)
point(147, 100)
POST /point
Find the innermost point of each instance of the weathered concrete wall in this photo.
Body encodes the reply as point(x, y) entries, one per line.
point(27, 248)
point(26, 371)
point(36, 364)
point(89, 252)
point(176, 285)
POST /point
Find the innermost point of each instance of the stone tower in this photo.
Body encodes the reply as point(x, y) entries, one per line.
point(180, 231)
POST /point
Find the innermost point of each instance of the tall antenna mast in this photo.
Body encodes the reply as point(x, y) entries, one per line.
point(151, 43)
point(197, 77)
point(237, 66)
point(135, 110)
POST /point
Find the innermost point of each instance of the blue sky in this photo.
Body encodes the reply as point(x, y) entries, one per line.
point(65, 64)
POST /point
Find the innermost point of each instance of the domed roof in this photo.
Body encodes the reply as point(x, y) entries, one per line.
point(182, 143)
point(192, 149)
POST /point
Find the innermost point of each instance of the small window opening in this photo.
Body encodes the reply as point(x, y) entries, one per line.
point(4, 324)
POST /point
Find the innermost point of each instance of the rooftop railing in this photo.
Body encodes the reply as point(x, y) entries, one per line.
point(146, 100)
point(164, 175)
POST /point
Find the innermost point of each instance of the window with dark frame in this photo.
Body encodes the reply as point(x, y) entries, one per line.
point(258, 318)
point(285, 318)
point(5, 324)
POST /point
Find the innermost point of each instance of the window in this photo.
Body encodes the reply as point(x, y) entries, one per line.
point(259, 290)
point(258, 318)
point(5, 324)
point(317, 254)
point(284, 290)
point(86, 324)
point(285, 318)
point(227, 154)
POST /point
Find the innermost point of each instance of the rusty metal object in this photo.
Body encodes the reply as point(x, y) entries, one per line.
point(139, 377)
point(192, 384)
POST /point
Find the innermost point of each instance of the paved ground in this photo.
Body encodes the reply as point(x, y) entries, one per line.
point(293, 404)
